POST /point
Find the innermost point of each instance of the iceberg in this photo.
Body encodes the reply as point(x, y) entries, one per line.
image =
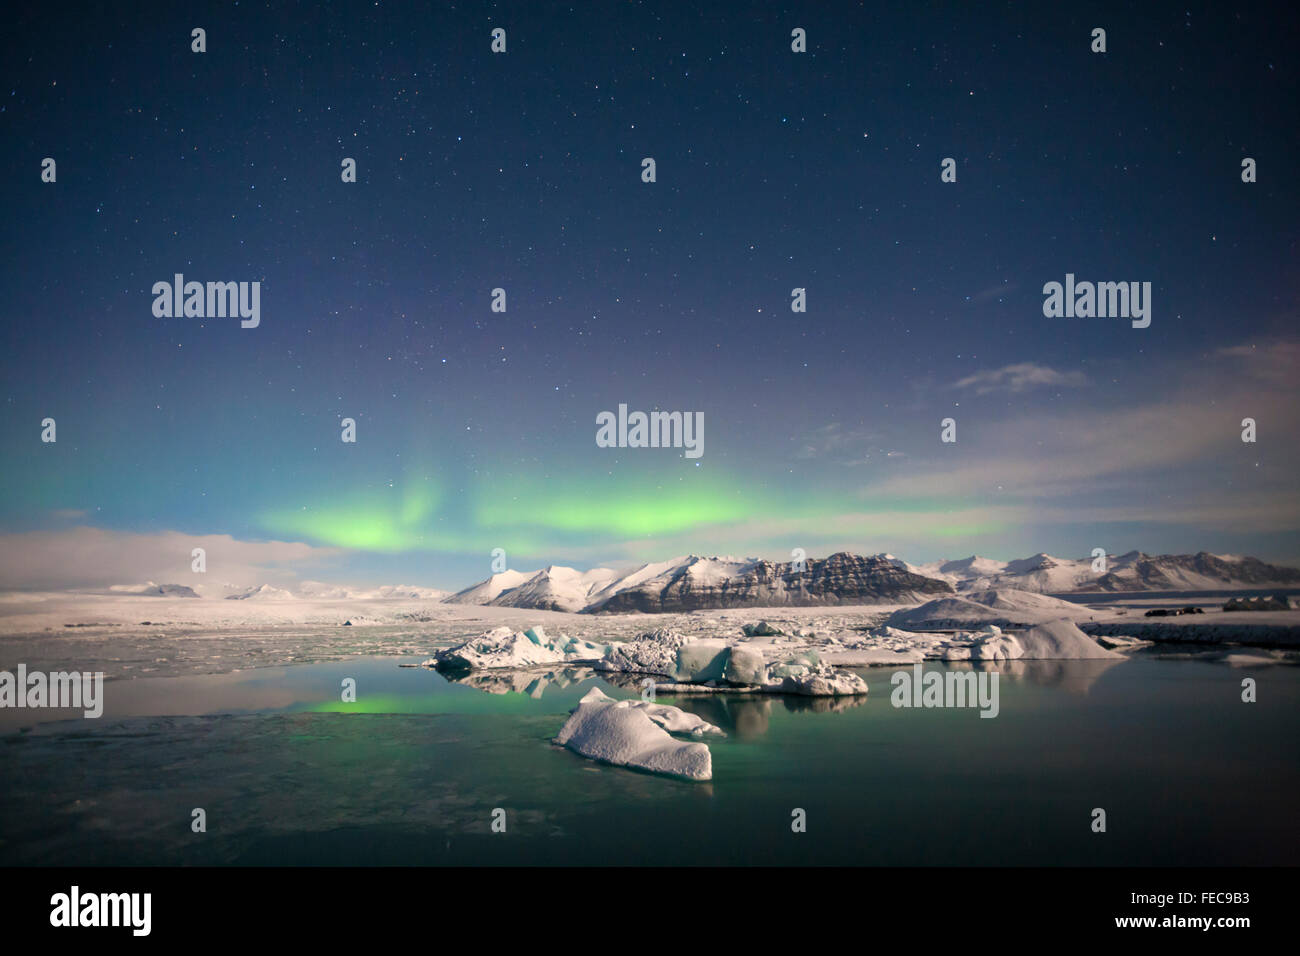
point(820, 680)
point(1054, 640)
point(637, 734)
point(652, 653)
point(717, 665)
point(745, 666)
point(503, 647)
point(699, 662)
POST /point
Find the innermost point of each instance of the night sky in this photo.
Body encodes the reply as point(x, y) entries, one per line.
point(522, 170)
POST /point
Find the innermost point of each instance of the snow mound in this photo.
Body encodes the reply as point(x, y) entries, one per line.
point(944, 613)
point(1058, 640)
point(1010, 599)
point(504, 647)
point(1004, 607)
point(636, 734)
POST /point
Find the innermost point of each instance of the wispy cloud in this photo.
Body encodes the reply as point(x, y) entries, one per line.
point(843, 445)
point(1171, 453)
point(1275, 362)
point(997, 291)
point(1020, 378)
point(95, 557)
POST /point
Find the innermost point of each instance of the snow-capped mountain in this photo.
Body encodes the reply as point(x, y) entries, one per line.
point(683, 584)
point(1133, 571)
point(389, 591)
point(1192, 572)
point(842, 578)
point(486, 591)
point(556, 588)
point(263, 592)
point(1041, 572)
point(318, 591)
point(693, 582)
point(155, 590)
point(306, 590)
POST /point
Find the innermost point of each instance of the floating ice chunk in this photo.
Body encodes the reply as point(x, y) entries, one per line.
point(878, 656)
point(1061, 640)
point(651, 653)
point(818, 680)
point(675, 720)
point(701, 661)
point(697, 662)
point(986, 644)
point(996, 647)
point(1054, 640)
point(745, 666)
point(632, 734)
point(801, 665)
point(503, 647)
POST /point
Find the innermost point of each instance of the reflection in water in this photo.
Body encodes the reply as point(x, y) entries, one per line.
point(746, 715)
point(1231, 654)
point(632, 682)
point(1074, 677)
point(739, 712)
point(741, 717)
point(532, 682)
point(821, 705)
point(411, 774)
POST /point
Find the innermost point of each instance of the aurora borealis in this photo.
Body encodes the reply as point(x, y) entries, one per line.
point(475, 171)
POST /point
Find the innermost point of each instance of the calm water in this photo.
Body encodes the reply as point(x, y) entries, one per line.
point(1187, 773)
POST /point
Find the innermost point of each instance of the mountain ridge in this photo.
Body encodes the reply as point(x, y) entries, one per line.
point(696, 582)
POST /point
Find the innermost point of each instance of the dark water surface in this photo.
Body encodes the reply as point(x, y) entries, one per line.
point(288, 774)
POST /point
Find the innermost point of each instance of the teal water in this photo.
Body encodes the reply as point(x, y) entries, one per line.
point(1187, 773)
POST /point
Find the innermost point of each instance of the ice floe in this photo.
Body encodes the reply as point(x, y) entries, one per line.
point(654, 652)
point(703, 665)
point(505, 647)
point(638, 734)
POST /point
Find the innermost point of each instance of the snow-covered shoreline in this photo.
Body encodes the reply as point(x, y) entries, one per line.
point(186, 636)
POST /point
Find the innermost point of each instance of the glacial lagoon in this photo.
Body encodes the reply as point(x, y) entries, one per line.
point(287, 773)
